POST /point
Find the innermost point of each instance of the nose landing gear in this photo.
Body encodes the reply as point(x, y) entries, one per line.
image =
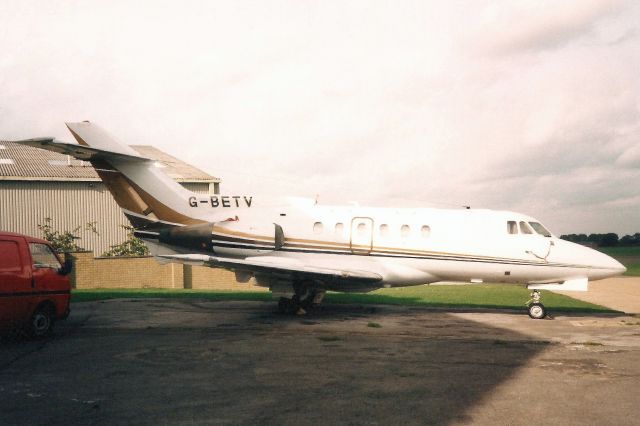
point(535, 306)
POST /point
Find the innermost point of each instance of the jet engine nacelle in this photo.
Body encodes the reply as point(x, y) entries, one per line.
point(194, 237)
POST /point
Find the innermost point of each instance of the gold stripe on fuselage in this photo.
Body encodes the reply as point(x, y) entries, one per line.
point(243, 237)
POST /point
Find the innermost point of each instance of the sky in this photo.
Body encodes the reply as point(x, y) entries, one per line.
point(530, 106)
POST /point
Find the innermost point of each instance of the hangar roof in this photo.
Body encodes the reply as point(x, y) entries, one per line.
point(19, 162)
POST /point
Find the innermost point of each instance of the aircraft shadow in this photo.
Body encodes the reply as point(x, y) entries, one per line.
point(170, 361)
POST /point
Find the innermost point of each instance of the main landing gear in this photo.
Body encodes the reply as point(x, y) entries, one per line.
point(303, 300)
point(535, 306)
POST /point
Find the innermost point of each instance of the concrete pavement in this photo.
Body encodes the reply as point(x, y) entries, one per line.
point(620, 293)
point(202, 362)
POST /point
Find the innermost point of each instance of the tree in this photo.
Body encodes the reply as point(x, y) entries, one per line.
point(132, 246)
point(63, 241)
point(630, 240)
point(609, 240)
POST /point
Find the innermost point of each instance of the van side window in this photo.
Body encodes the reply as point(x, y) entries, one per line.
point(339, 229)
point(384, 230)
point(512, 227)
point(405, 231)
point(425, 231)
point(525, 229)
point(43, 256)
point(318, 228)
point(9, 257)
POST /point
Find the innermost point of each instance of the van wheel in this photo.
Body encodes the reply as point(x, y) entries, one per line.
point(41, 322)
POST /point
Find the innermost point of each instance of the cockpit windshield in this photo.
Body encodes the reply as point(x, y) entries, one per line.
point(540, 229)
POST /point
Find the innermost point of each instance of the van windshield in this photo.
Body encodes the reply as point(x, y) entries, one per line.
point(540, 229)
point(43, 256)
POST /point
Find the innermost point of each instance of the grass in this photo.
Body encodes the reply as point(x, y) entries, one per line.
point(633, 270)
point(621, 251)
point(446, 296)
point(465, 296)
point(628, 256)
point(329, 338)
point(89, 295)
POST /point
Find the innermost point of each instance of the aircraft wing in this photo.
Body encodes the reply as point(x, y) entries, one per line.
point(80, 152)
point(276, 265)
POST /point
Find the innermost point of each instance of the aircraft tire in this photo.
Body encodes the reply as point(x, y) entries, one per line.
point(307, 302)
point(284, 305)
point(537, 311)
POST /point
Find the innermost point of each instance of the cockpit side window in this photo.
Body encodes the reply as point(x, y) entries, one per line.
point(512, 227)
point(540, 229)
point(525, 229)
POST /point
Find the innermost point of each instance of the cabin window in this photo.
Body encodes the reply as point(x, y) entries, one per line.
point(512, 227)
point(525, 229)
point(339, 229)
point(362, 229)
point(318, 228)
point(425, 231)
point(405, 230)
point(540, 229)
point(384, 230)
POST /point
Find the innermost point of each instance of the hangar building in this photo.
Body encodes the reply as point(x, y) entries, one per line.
point(36, 184)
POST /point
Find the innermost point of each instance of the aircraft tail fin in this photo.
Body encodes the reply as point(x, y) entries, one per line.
point(148, 197)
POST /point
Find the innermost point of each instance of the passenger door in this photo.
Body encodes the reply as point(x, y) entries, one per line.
point(361, 235)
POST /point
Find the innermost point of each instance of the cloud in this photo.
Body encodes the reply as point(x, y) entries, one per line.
point(630, 157)
point(531, 106)
point(510, 27)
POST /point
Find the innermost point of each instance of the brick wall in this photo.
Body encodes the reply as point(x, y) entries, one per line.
point(145, 272)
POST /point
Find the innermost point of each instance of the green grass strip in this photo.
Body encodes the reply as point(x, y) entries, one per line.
point(490, 296)
point(633, 269)
point(628, 256)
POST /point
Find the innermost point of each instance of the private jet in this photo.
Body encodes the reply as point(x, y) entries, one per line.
point(300, 249)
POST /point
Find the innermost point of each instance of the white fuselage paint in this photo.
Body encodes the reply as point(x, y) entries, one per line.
point(403, 246)
point(409, 246)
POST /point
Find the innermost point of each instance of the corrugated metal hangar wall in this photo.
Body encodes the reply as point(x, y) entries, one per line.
point(36, 184)
point(25, 204)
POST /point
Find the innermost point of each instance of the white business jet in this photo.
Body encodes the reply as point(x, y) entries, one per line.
point(299, 249)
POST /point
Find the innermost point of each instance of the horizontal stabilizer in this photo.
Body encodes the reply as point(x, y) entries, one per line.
point(277, 265)
point(80, 152)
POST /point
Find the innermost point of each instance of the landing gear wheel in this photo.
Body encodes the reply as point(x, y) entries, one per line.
point(41, 323)
point(537, 311)
point(284, 305)
point(307, 301)
point(290, 306)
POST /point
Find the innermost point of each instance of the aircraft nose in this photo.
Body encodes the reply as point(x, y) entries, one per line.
point(617, 266)
point(609, 265)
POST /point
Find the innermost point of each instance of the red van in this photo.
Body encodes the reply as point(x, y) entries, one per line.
point(34, 286)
